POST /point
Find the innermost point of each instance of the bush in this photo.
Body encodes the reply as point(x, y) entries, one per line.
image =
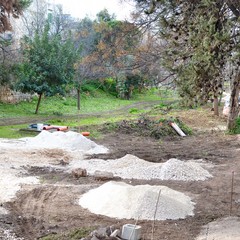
point(236, 130)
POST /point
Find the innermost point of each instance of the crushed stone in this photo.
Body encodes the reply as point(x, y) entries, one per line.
point(131, 167)
point(123, 201)
point(8, 235)
point(175, 169)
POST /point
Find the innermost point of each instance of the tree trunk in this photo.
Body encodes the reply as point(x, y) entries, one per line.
point(220, 99)
point(78, 98)
point(234, 106)
point(215, 106)
point(38, 104)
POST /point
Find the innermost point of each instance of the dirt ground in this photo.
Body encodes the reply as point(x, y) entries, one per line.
point(51, 206)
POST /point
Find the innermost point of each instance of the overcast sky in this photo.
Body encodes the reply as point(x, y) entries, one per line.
point(81, 8)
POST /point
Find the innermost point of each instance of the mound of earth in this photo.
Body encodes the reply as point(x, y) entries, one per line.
point(156, 128)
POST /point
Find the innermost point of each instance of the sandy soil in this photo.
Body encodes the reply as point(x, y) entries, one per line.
point(50, 207)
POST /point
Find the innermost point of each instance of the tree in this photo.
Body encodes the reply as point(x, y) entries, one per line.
point(48, 64)
point(34, 19)
point(12, 8)
point(201, 40)
point(8, 54)
point(108, 50)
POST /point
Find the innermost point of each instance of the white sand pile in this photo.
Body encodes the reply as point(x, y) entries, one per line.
point(3, 211)
point(10, 183)
point(64, 140)
point(120, 200)
point(131, 167)
point(222, 229)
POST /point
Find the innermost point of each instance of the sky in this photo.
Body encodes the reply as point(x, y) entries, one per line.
point(81, 8)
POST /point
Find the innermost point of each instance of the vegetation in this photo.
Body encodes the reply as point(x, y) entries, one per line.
point(74, 235)
point(199, 42)
point(152, 127)
point(186, 45)
point(63, 111)
point(48, 66)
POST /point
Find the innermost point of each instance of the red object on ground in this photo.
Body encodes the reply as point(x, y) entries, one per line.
point(49, 127)
point(58, 128)
point(85, 134)
point(62, 128)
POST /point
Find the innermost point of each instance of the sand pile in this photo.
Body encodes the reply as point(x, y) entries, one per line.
point(64, 140)
point(123, 201)
point(130, 166)
point(10, 183)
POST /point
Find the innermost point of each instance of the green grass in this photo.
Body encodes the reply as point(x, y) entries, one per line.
point(236, 130)
point(12, 131)
point(73, 235)
point(60, 108)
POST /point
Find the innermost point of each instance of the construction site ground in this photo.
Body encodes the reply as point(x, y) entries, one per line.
point(50, 208)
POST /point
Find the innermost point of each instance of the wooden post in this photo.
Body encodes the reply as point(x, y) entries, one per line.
point(38, 104)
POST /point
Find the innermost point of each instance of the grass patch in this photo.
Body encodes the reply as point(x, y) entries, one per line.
point(236, 130)
point(60, 106)
point(73, 235)
point(63, 111)
point(13, 132)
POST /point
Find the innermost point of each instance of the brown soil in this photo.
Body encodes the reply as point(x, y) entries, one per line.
point(51, 207)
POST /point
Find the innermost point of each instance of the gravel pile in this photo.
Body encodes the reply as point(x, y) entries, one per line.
point(8, 235)
point(131, 167)
point(64, 140)
point(122, 201)
point(175, 169)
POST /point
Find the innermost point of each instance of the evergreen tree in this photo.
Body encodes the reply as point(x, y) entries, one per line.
point(201, 40)
point(48, 65)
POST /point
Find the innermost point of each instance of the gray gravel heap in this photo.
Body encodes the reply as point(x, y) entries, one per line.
point(131, 167)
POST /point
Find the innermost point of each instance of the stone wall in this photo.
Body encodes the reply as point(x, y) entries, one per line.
point(9, 96)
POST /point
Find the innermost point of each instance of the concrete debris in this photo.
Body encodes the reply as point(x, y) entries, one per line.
point(79, 172)
point(108, 233)
point(103, 176)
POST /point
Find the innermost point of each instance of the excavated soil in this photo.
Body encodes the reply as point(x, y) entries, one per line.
point(51, 206)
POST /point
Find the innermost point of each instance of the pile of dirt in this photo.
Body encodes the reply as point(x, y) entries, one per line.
point(146, 126)
point(123, 201)
point(132, 167)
